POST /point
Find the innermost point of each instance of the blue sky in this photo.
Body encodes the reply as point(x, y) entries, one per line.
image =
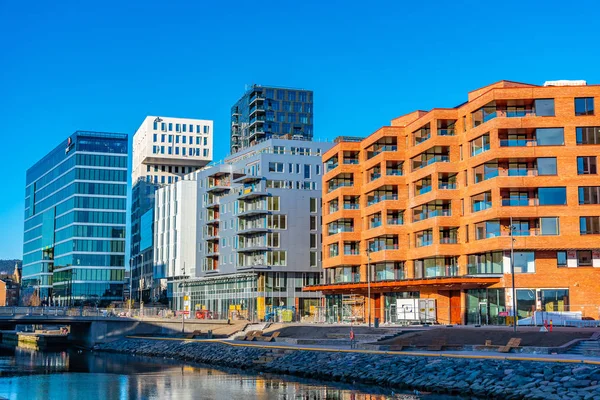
point(69, 65)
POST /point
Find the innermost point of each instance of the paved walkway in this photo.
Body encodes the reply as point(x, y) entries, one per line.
point(565, 358)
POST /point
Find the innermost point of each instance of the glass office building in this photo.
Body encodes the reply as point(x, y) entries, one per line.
point(266, 112)
point(75, 210)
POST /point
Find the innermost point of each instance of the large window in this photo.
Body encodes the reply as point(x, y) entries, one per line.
point(436, 267)
point(482, 201)
point(546, 166)
point(552, 196)
point(485, 263)
point(387, 271)
point(588, 135)
point(487, 229)
point(549, 226)
point(584, 258)
point(276, 167)
point(589, 225)
point(586, 165)
point(589, 195)
point(524, 261)
point(480, 144)
point(550, 136)
point(544, 107)
point(584, 106)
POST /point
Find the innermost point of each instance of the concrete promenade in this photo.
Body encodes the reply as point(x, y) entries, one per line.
point(565, 358)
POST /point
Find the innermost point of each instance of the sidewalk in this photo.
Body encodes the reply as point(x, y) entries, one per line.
point(563, 358)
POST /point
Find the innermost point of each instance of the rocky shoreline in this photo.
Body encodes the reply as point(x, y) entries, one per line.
point(482, 378)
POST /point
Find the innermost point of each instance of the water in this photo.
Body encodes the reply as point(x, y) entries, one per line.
point(27, 374)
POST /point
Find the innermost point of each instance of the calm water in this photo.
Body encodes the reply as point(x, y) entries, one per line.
point(26, 374)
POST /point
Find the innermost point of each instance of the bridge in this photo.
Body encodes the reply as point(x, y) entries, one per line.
point(93, 326)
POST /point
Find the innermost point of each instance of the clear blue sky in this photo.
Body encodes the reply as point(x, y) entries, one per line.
point(69, 65)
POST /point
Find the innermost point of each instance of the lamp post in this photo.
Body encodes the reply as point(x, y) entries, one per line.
point(129, 300)
point(512, 272)
point(369, 283)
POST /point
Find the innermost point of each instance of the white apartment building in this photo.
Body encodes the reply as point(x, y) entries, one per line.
point(175, 228)
point(164, 148)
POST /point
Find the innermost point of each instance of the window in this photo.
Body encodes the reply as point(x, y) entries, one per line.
point(584, 106)
point(550, 136)
point(544, 107)
point(313, 259)
point(524, 261)
point(334, 250)
point(313, 223)
point(273, 203)
point(588, 135)
point(589, 195)
point(480, 145)
point(589, 225)
point(561, 258)
point(278, 149)
point(206, 129)
point(170, 127)
point(313, 240)
point(584, 258)
point(546, 166)
point(277, 258)
point(552, 196)
point(318, 169)
point(306, 171)
point(276, 167)
point(313, 205)
point(177, 128)
point(586, 165)
point(482, 201)
point(273, 239)
point(549, 225)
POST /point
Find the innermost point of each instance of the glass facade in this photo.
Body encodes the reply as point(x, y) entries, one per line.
point(75, 209)
point(271, 112)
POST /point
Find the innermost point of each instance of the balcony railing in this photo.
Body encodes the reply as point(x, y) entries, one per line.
point(394, 172)
point(484, 269)
point(348, 278)
point(445, 132)
point(384, 197)
point(333, 210)
point(421, 139)
point(446, 186)
point(350, 206)
point(519, 202)
point(423, 190)
point(423, 242)
point(374, 177)
point(448, 240)
point(380, 149)
point(334, 186)
point(352, 161)
point(376, 248)
point(481, 205)
point(431, 214)
point(518, 142)
point(480, 150)
point(437, 272)
point(395, 221)
point(374, 224)
point(331, 167)
point(334, 231)
point(351, 252)
point(432, 160)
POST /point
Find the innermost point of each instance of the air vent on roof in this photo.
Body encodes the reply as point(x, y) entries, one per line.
point(565, 82)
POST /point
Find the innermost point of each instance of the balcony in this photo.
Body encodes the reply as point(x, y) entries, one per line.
point(423, 190)
point(429, 161)
point(251, 229)
point(431, 214)
point(253, 212)
point(518, 142)
point(394, 172)
point(375, 248)
point(378, 199)
point(446, 186)
point(478, 150)
point(252, 248)
point(331, 166)
point(252, 192)
point(520, 202)
point(374, 176)
point(351, 161)
point(336, 185)
point(448, 240)
point(351, 206)
point(481, 205)
point(375, 224)
point(395, 221)
point(340, 229)
point(484, 269)
point(445, 132)
point(423, 242)
point(351, 252)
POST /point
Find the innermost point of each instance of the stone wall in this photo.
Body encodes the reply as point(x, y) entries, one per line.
point(482, 378)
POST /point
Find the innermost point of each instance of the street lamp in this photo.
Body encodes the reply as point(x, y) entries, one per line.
point(369, 283)
point(183, 300)
point(512, 272)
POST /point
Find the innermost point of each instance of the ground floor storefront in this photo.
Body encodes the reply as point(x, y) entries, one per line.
point(261, 296)
point(466, 301)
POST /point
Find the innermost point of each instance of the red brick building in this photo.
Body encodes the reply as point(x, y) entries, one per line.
point(427, 202)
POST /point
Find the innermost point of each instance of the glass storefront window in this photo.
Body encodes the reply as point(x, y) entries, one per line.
point(484, 306)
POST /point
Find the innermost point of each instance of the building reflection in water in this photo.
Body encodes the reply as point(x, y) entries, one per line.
point(106, 376)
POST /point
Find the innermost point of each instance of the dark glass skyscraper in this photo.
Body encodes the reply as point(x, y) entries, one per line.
point(75, 213)
point(266, 112)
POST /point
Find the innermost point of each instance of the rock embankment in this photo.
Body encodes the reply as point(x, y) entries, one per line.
point(484, 378)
